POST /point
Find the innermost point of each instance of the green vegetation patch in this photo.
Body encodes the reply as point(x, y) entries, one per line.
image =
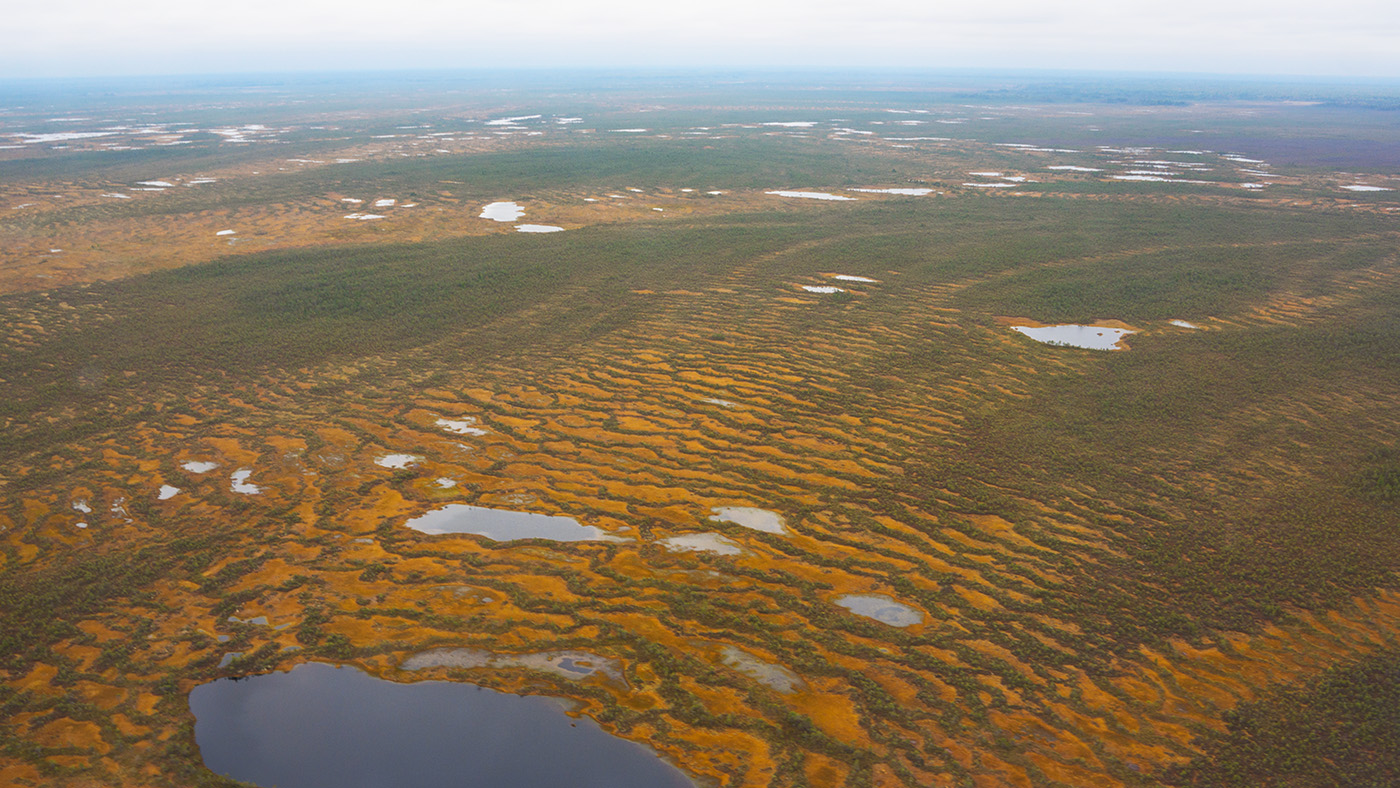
point(1341, 730)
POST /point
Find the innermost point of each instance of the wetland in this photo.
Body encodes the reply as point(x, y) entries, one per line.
point(762, 483)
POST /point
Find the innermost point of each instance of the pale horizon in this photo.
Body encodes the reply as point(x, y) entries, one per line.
point(1352, 39)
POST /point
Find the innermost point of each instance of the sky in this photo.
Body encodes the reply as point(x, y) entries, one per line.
point(1293, 37)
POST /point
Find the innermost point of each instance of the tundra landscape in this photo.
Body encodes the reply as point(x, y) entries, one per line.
point(805, 431)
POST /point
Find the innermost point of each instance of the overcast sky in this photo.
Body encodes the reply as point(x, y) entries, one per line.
point(102, 37)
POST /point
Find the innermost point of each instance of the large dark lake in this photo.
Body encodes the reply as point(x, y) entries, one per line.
point(319, 726)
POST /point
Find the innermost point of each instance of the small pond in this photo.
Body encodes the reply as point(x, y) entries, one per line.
point(766, 673)
point(701, 543)
point(502, 212)
point(504, 525)
point(1090, 337)
point(573, 665)
point(881, 608)
point(239, 483)
point(749, 517)
point(320, 726)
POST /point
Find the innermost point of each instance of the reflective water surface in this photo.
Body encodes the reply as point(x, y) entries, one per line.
point(319, 726)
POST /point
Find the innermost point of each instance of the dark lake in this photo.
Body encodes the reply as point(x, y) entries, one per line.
point(319, 726)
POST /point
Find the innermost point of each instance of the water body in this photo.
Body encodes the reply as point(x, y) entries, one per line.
point(1090, 337)
point(320, 726)
point(701, 543)
point(811, 195)
point(238, 482)
point(766, 673)
point(567, 664)
point(502, 211)
point(881, 608)
point(749, 517)
point(504, 525)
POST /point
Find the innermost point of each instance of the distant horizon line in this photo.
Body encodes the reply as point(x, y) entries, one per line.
point(736, 70)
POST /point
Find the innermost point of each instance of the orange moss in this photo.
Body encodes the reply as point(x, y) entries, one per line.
point(78, 734)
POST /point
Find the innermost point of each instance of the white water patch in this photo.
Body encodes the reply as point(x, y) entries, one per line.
point(1073, 168)
point(445, 483)
point(350, 199)
point(882, 609)
point(723, 403)
point(82, 506)
point(715, 193)
point(199, 466)
point(61, 136)
point(502, 212)
point(629, 131)
point(567, 664)
point(568, 120)
point(991, 185)
point(364, 217)
point(511, 121)
point(238, 482)
point(750, 517)
point(397, 461)
point(386, 203)
point(538, 228)
point(765, 673)
point(824, 289)
point(1182, 324)
point(162, 184)
point(701, 543)
point(919, 139)
point(167, 492)
point(850, 278)
point(1155, 179)
point(227, 232)
point(793, 124)
point(1253, 185)
point(116, 196)
point(464, 426)
point(986, 174)
point(1073, 335)
point(811, 195)
point(907, 192)
point(200, 181)
point(504, 525)
point(1361, 188)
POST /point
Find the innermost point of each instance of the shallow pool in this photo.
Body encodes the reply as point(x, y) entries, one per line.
point(1090, 337)
point(749, 517)
point(504, 525)
point(881, 608)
